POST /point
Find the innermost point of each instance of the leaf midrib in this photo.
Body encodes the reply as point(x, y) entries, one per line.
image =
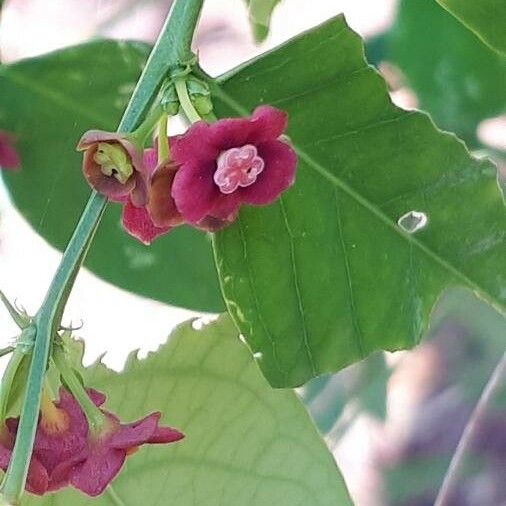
point(371, 207)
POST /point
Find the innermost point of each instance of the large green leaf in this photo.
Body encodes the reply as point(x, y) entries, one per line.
point(48, 103)
point(246, 444)
point(456, 78)
point(486, 18)
point(326, 275)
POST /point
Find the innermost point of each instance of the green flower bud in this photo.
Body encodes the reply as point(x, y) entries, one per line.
point(200, 95)
point(169, 99)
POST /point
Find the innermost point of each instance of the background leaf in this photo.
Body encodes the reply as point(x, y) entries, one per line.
point(456, 78)
point(49, 102)
point(246, 444)
point(326, 275)
point(260, 12)
point(486, 18)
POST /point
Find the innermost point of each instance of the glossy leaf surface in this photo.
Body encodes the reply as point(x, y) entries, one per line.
point(327, 275)
point(245, 444)
point(48, 102)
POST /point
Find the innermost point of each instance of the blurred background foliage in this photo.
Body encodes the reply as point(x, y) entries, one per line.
point(393, 420)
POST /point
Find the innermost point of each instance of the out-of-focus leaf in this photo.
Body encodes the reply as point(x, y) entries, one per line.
point(245, 444)
point(327, 275)
point(260, 12)
point(48, 102)
point(363, 384)
point(456, 78)
point(486, 18)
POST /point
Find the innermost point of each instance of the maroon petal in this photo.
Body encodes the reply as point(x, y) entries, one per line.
point(138, 223)
point(279, 174)
point(161, 206)
point(94, 474)
point(136, 433)
point(37, 481)
point(139, 195)
point(9, 158)
point(194, 145)
point(230, 133)
point(150, 160)
point(164, 435)
point(107, 185)
point(98, 398)
point(212, 224)
point(226, 206)
point(194, 190)
point(268, 123)
point(95, 136)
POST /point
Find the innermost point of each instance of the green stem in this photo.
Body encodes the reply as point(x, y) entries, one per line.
point(185, 101)
point(6, 351)
point(94, 416)
point(172, 50)
point(147, 126)
point(163, 141)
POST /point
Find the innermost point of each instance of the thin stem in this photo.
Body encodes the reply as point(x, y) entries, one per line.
point(185, 101)
point(495, 382)
point(172, 50)
point(116, 499)
point(94, 416)
point(163, 141)
point(6, 351)
point(148, 125)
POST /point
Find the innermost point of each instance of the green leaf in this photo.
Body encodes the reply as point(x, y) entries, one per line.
point(486, 18)
point(48, 103)
point(245, 444)
point(456, 78)
point(260, 12)
point(325, 276)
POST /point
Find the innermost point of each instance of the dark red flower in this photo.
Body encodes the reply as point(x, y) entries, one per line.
point(101, 460)
point(37, 480)
point(138, 221)
point(9, 158)
point(233, 161)
point(113, 166)
point(61, 433)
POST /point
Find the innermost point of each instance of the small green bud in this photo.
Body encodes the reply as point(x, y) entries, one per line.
point(200, 95)
point(169, 99)
point(113, 161)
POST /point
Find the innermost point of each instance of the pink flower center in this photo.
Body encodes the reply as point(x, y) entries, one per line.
point(238, 167)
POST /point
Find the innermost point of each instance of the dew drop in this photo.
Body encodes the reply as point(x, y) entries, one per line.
point(258, 355)
point(413, 221)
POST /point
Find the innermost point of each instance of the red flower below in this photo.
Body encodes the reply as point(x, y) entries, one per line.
point(66, 452)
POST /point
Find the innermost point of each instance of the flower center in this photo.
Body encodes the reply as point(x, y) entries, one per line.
point(53, 419)
point(113, 161)
point(238, 167)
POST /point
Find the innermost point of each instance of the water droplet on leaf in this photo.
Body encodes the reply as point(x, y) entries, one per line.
point(413, 221)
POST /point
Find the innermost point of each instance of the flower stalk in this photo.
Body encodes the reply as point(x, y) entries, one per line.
point(172, 51)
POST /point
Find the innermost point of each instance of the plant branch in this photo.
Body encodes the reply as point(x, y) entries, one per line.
point(173, 49)
point(495, 382)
